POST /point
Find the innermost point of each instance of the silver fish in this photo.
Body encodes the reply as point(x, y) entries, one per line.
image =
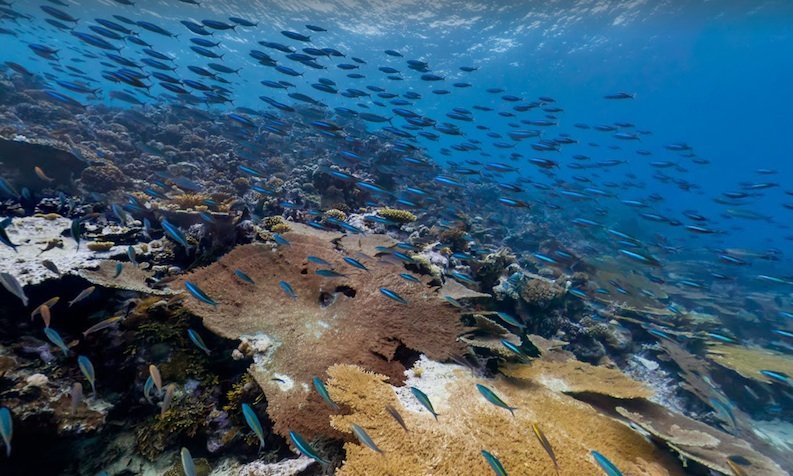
point(12, 285)
point(166, 401)
point(83, 294)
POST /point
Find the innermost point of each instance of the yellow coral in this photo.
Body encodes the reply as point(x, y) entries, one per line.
point(749, 361)
point(336, 213)
point(100, 245)
point(189, 200)
point(399, 216)
point(281, 228)
point(271, 221)
point(468, 424)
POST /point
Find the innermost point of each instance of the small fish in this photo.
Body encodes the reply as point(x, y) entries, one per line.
point(607, 466)
point(56, 339)
point(287, 289)
point(147, 389)
point(511, 320)
point(166, 401)
point(395, 414)
point(131, 256)
point(175, 234)
point(52, 244)
point(364, 437)
point(317, 260)
point(323, 392)
point(6, 428)
point(280, 240)
point(302, 445)
point(51, 266)
point(494, 463)
point(87, 368)
point(40, 174)
point(329, 273)
point(74, 229)
point(244, 277)
point(491, 397)
point(453, 302)
point(198, 341)
point(409, 277)
point(392, 295)
point(253, 421)
point(119, 269)
point(76, 397)
point(516, 349)
point(156, 377)
point(102, 325)
point(49, 303)
point(83, 294)
point(424, 400)
point(545, 444)
point(6, 240)
point(776, 376)
point(188, 466)
point(12, 285)
point(355, 263)
point(44, 310)
point(199, 294)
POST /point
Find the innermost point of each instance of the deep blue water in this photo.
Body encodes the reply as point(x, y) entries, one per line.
point(714, 75)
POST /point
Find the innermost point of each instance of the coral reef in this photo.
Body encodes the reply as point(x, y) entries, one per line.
point(103, 178)
point(397, 215)
point(467, 424)
point(749, 361)
point(330, 320)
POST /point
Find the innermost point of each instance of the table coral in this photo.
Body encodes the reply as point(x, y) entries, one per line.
point(749, 361)
point(467, 423)
point(341, 320)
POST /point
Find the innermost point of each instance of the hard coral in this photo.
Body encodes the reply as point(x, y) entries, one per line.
point(540, 292)
point(329, 321)
point(102, 178)
point(399, 216)
point(189, 200)
point(467, 424)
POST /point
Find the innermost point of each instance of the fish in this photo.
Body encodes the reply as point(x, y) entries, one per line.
point(244, 277)
point(188, 465)
point(355, 263)
point(12, 285)
point(302, 445)
point(147, 386)
point(393, 295)
point(40, 174)
point(87, 368)
point(199, 294)
point(6, 240)
point(51, 266)
point(329, 273)
point(515, 349)
point(545, 444)
point(287, 289)
point(49, 303)
point(55, 338)
point(46, 316)
point(175, 234)
point(154, 373)
point(196, 339)
point(119, 269)
point(364, 437)
point(317, 260)
point(280, 240)
point(166, 400)
point(397, 416)
point(76, 395)
point(253, 422)
point(491, 397)
point(74, 230)
point(606, 465)
point(323, 392)
point(83, 295)
point(494, 463)
point(131, 256)
point(424, 400)
point(109, 322)
point(6, 428)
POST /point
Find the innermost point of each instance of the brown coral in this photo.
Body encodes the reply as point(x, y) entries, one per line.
point(341, 320)
point(749, 361)
point(467, 424)
point(189, 200)
point(540, 292)
point(103, 178)
point(396, 215)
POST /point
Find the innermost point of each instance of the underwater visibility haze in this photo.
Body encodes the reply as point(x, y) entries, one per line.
point(396, 237)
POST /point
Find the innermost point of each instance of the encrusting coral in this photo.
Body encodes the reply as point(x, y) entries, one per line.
point(468, 424)
point(329, 320)
point(397, 215)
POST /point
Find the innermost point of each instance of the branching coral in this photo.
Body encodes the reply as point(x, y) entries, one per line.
point(467, 424)
point(330, 320)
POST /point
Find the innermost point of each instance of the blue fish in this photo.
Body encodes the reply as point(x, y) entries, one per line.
point(188, 465)
point(515, 349)
point(302, 445)
point(776, 376)
point(56, 339)
point(494, 463)
point(87, 368)
point(364, 437)
point(287, 289)
point(355, 263)
point(409, 277)
point(318, 260)
point(253, 421)
point(607, 466)
point(392, 295)
point(175, 234)
point(244, 277)
point(6, 428)
point(323, 392)
point(491, 397)
point(329, 273)
point(197, 340)
point(280, 240)
point(424, 400)
point(199, 294)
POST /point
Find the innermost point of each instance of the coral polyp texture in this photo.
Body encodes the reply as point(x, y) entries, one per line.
point(468, 424)
point(345, 319)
